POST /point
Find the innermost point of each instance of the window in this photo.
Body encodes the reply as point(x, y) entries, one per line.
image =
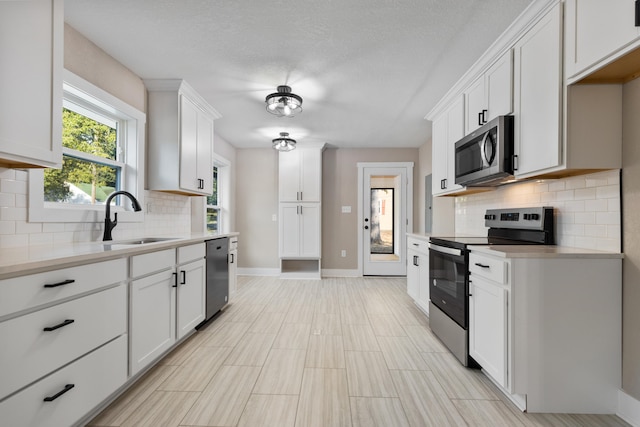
point(103, 150)
point(213, 206)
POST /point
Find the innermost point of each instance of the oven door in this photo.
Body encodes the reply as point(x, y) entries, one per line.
point(448, 282)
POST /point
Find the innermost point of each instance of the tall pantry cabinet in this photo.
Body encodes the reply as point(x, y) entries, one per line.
point(300, 207)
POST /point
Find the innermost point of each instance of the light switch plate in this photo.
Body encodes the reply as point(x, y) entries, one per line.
point(346, 209)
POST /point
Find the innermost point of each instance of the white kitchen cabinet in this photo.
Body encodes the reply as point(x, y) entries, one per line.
point(596, 30)
point(448, 128)
point(418, 271)
point(488, 327)
point(538, 96)
point(299, 230)
point(180, 150)
point(191, 290)
point(72, 322)
point(491, 94)
point(31, 48)
point(233, 266)
point(300, 173)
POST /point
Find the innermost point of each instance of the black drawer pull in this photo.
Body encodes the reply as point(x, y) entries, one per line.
point(58, 326)
point(175, 280)
point(183, 273)
point(482, 265)
point(60, 393)
point(55, 285)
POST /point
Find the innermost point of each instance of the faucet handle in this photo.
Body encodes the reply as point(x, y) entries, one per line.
point(115, 219)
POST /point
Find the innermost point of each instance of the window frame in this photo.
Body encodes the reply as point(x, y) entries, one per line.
point(223, 186)
point(131, 130)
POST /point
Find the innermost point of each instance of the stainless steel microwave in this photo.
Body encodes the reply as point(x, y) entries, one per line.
point(485, 156)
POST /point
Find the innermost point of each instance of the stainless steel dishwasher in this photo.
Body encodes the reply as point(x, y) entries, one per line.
point(217, 275)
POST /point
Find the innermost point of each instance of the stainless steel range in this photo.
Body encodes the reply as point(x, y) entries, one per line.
point(449, 269)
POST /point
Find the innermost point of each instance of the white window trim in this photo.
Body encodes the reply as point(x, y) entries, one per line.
point(39, 211)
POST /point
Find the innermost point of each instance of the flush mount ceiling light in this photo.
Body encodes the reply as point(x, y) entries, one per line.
point(284, 143)
point(283, 103)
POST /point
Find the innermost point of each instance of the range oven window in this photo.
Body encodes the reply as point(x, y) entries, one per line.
point(448, 283)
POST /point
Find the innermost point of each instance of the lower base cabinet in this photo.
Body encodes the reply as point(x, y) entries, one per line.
point(65, 396)
point(190, 299)
point(418, 272)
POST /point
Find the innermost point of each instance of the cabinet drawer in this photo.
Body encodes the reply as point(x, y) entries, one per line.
point(487, 267)
point(152, 262)
point(26, 292)
point(191, 253)
point(94, 377)
point(29, 352)
point(418, 245)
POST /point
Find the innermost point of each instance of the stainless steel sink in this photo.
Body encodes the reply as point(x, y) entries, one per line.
point(134, 242)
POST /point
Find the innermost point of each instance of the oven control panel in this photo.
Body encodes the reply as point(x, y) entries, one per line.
point(522, 218)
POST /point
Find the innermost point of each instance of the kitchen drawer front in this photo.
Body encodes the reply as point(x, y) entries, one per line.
point(94, 378)
point(488, 267)
point(191, 253)
point(153, 262)
point(233, 243)
point(29, 352)
point(28, 292)
point(418, 245)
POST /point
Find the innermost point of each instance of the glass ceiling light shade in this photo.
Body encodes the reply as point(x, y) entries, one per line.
point(283, 103)
point(284, 143)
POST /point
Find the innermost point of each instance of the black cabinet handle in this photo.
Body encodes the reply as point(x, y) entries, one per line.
point(480, 119)
point(232, 258)
point(184, 277)
point(484, 117)
point(60, 393)
point(200, 184)
point(637, 13)
point(175, 280)
point(55, 285)
point(515, 162)
point(415, 261)
point(59, 325)
point(482, 265)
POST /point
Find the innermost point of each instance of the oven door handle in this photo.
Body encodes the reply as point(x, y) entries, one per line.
point(445, 250)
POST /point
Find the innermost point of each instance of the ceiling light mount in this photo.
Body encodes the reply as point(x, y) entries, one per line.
point(284, 103)
point(284, 143)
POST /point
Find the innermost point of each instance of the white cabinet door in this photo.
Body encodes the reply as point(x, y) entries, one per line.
point(153, 318)
point(191, 297)
point(310, 230)
point(538, 96)
point(448, 128)
point(413, 274)
point(233, 272)
point(488, 327)
point(300, 174)
point(596, 29)
point(204, 163)
point(188, 144)
point(491, 94)
point(289, 230)
point(423, 281)
point(499, 87)
point(31, 46)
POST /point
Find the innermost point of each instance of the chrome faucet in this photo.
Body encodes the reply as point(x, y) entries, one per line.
point(110, 225)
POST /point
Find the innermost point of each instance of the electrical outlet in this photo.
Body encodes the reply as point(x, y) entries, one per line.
point(274, 217)
point(343, 253)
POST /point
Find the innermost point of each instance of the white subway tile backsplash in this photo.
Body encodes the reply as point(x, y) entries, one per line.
point(13, 214)
point(8, 200)
point(23, 227)
point(587, 208)
point(6, 173)
point(13, 186)
point(7, 227)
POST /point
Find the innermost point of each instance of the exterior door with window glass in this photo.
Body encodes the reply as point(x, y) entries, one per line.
point(384, 221)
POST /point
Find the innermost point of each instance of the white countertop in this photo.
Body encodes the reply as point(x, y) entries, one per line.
point(421, 236)
point(543, 251)
point(35, 258)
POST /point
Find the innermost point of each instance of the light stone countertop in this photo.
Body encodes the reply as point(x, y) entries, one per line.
point(544, 251)
point(31, 259)
point(421, 236)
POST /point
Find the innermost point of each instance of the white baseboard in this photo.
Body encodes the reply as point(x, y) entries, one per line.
point(332, 272)
point(628, 408)
point(258, 271)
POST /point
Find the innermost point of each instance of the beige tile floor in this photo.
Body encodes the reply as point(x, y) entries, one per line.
point(335, 352)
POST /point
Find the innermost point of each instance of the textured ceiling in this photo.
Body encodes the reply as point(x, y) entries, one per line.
point(368, 70)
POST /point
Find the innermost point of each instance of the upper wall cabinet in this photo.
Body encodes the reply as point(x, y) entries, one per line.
point(31, 48)
point(538, 95)
point(491, 94)
point(180, 150)
point(448, 128)
point(300, 175)
point(596, 30)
